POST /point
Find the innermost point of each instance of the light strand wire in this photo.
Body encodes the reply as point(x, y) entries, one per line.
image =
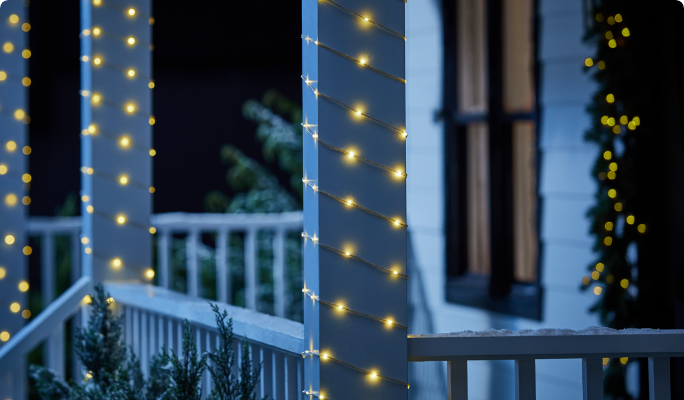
point(122, 38)
point(358, 112)
point(118, 68)
point(348, 57)
point(118, 138)
point(349, 153)
point(128, 222)
point(354, 204)
point(370, 21)
point(374, 374)
point(343, 308)
point(348, 255)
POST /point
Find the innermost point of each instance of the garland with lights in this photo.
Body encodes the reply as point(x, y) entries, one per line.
point(615, 227)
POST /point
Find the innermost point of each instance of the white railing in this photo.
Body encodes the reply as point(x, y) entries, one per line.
point(591, 346)
point(153, 317)
point(223, 225)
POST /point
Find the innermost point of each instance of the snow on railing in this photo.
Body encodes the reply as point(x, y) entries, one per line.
point(591, 345)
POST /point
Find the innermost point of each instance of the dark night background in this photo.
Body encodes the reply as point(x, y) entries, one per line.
point(205, 66)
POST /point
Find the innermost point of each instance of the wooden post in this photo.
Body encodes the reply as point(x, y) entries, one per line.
point(13, 165)
point(354, 199)
point(116, 140)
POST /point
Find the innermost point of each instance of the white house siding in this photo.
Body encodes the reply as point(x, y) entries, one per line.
point(565, 185)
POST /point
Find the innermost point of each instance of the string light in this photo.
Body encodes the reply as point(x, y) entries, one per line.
point(11, 200)
point(352, 154)
point(11, 146)
point(25, 200)
point(130, 41)
point(341, 307)
point(27, 250)
point(395, 221)
point(13, 19)
point(347, 254)
point(130, 108)
point(15, 307)
point(4, 336)
point(120, 219)
point(3, 169)
point(9, 239)
point(358, 112)
point(116, 263)
point(630, 219)
point(372, 374)
point(19, 114)
point(26, 150)
point(362, 61)
point(3, 76)
point(23, 286)
point(123, 180)
point(130, 73)
point(26, 53)
point(131, 12)
point(89, 209)
point(8, 47)
point(3, 272)
point(149, 274)
point(96, 99)
point(366, 19)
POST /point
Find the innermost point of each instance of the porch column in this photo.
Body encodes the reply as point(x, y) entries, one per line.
point(116, 139)
point(14, 184)
point(355, 311)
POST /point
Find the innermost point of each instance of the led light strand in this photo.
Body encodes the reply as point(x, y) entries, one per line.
point(387, 322)
point(370, 21)
point(125, 106)
point(118, 68)
point(306, 392)
point(118, 180)
point(126, 221)
point(117, 138)
point(315, 240)
point(124, 9)
point(362, 63)
point(353, 204)
point(149, 272)
point(372, 374)
point(351, 154)
point(358, 112)
point(125, 39)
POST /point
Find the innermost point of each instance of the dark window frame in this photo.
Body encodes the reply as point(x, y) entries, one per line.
point(497, 292)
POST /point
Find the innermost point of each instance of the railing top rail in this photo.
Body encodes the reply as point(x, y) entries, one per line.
point(54, 224)
point(278, 333)
point(211, 221)
point(601, 344)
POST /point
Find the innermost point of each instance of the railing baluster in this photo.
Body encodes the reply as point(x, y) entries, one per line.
point(457, 376)
point(250, 270)
point(179, 349)
point(525, 380)
point(279, 272)
point(223, 284)
point(291, 378)
point(160, 332)
point(163, 268)
point(268, 372)
point(75, 266)
point(170, 333)
point(136, 332)
point(592, 379)
point(128, 324)
point(279, 375)
point(208, 347)
point(153, 335)
point(54, 346)
point(659, 378)
point(193, 270)
point(255, 353)
point(144, 349)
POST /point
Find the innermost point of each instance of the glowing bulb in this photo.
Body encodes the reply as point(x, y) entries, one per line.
point(152, 120)
point(11, 200)
point(97, 60)
point(3, 169)
point(86, 32)
point(149, 273)
point(85, 240)
point(601, 65)
point(90, 171)
point(89, 209)
point(131, 11)
point(19, 114)
point(395, 272)
point(373, 374)
point(97, 31)
point(92, 128)
point(123, 179)
point(396, 222)
point(618, 207)
point(612, 43)
point(625, 32)
point(9, 239)
point(347, 253)
point(26, 81)
point(613, 166)
point(23, 286)
point(351, 154)
point(599, 267)
point(25, 27)
point(151, 85)
point(362, 61)
point(607, 155)
point(15, 307)
point(88, 250)
point(389, 322)
point(130, 108)
point(121, 220)
point(630, 219)
point(358, 112)
point(131, 73)
point(25, 200)
point(11, 146)
point(96, 99)
point(4, 336)
point(609, 226)
point(97, 2)
point(349, 202)
point(131, 41)
point(3, 272)
point(608, 241)
point(8, 47)
point(340, 307)
point(27, 250)
point(3, 75)
point(324, 356)
point(153, 152)
point(366, 19)
point(13, 19)
point(598, 290)
point(399, 173)
point(152, 189)
point(153, 230)
point(125, 142)
point(610, 98)
point(116, 263)
point(641, 228)
point(612, 193)
point(26, 150)
point(595, 275)
point(624, 283)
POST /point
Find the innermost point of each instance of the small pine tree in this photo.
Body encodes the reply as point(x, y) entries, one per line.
point(226, 385)
point(114, 372)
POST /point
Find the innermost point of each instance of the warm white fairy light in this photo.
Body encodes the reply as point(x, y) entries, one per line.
point(342, 307)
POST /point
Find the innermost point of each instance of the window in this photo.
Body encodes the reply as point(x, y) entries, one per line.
point(490, 110)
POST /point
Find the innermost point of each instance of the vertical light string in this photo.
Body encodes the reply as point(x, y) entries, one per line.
point(15, 181)
point(348, 202)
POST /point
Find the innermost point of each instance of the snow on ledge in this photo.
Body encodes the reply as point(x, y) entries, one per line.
point(592, 330)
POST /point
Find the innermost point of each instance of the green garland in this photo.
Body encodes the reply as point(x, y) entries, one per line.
point(614, 224)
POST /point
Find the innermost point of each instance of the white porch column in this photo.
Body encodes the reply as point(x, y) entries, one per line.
point(355, 199)
point(116, 144)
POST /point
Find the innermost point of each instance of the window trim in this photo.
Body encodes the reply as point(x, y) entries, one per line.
point(502, 293)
